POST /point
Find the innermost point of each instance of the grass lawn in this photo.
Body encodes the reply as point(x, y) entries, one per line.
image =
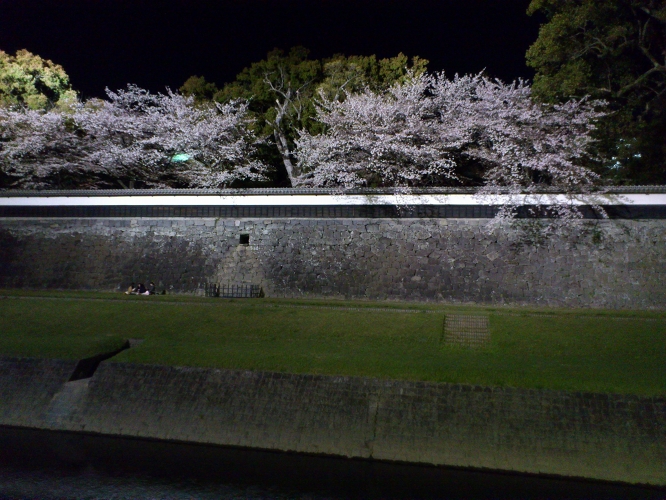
point(588, 350)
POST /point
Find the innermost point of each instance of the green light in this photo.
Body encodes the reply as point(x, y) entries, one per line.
point(180, 157)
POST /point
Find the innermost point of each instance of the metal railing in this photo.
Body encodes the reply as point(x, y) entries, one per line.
point(233, 291)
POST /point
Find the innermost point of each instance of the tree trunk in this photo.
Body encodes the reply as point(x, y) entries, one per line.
point(283, 148)
point(283, 145)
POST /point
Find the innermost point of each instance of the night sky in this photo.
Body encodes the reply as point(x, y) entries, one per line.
point(161, 43)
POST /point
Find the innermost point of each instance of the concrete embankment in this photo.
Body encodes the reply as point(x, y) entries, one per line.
point(609, 437)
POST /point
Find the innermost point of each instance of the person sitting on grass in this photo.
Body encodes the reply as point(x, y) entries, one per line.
point(151, 289)
point(141, 289)
point(131, 289)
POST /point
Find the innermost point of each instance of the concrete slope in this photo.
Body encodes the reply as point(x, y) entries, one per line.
point(609, 437)
point(27, 386)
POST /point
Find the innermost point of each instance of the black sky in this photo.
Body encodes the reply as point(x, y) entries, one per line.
point(160, 43)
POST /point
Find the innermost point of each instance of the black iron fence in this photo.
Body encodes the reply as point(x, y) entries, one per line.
point(233, 291)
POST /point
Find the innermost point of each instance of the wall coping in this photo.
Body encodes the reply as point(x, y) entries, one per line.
point(295, 191)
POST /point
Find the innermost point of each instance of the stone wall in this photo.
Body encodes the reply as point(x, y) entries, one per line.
point(609, 437)
point(612, 263)
point(27, 387)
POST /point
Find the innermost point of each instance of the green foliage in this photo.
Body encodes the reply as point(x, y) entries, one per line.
point(397, 70)
point(284, 87)
point(263, 81)
point(199, 88)
point(28, 80)
point(354, 73)
point(613, 50)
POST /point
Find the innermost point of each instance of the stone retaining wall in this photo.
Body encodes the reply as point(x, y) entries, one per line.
point(613, 263)
point(27, 387)
point(610, 437)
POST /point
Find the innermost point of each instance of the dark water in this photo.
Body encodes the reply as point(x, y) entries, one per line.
point(55, 465)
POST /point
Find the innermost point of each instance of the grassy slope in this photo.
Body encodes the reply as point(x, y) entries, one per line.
point(558, 351)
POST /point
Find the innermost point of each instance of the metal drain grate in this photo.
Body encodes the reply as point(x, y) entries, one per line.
point(470, 331)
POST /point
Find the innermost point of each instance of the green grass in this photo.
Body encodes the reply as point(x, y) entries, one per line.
point(603, 351)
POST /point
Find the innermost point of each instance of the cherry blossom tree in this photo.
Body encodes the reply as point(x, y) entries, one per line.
point(385, 139)
point(160, 139)
point(37, 147)
point(525, 147)
point(419, 132)
point(164, 137)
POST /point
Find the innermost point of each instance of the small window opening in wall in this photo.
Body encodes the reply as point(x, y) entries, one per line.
point(244, 239)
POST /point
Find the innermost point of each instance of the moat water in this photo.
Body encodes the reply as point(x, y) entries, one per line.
point(56, 465)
